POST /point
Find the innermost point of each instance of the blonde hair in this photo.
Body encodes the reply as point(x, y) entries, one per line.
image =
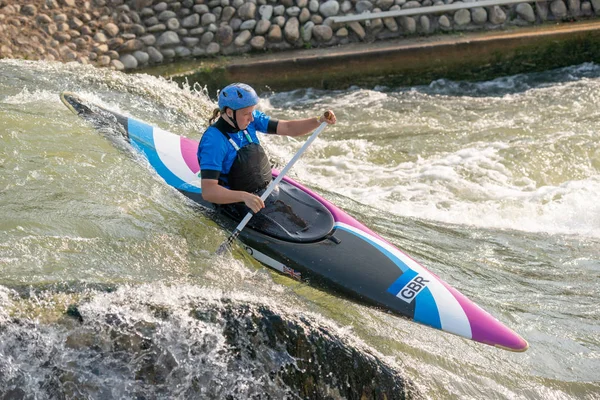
point(215, 114)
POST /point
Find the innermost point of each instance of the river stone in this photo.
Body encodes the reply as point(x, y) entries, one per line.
point(111, 29)
point(574, 7)
point(191, 41)
point(274, 34)
point(43, 19)
point(129, 61)
point(103, 61)
point(160, 7)
point(291, 30)
point(390, 24)
point(248, 25)
point(173, 24)
point(207, 38)
point(243, 38)
point(293, 11)
point(76, 23)
point(132, 45)
point(479, 15)
point(247, 11)
point(166, 15)
point(278, 10)
point(168, 53)
point(462, 17)
point(168, 38)
point(235, 24)
point(201, 9)
point(596, 6)
point(208, 19)
point(147, 12)
point(586, 9)
point(496, 15)
point(182, 52)
point(411, 4)
point(363, 6)
point(266, 12)
point(425, 24)
point(100, 37)
point(525, 11)
point(558, 9)
point(409, 25)
point(29, 9)
point(213, 48)
point(118, 65)
point(157, 28)
point(155, 55)
point(227, 13)
point(142, 57)
point(262, 27)
point(329, 8)
point(224, 35)
point(191, 21)
point(322, 33)
point(444, 22)
point(358, 29)
point(151, 21)
point(306, 31)
point(279, 21)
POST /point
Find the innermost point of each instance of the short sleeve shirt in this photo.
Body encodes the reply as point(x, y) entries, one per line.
point(216, 154)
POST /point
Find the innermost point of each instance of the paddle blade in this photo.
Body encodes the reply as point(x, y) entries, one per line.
point(226, 245)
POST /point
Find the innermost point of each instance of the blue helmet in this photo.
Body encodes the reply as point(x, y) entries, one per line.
point(237, 96)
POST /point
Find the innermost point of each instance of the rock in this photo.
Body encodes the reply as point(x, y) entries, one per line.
point(586, 9)
point(43, 19)
point(173, 24)
point(191, 21)
point(558, 9)
point(596, 6)
point(247, 11)
point(227, 14)
point(243, 38)
point(262, 27)
point(103, 61)
point(291, 30)
point(111, 29)
point(496, 15)
point(462, 17)
point(329, 8)
point(390, 24)
point(274, 34)
point(100, 38)
point(541, 8)
point(574, 7)
point(157, 28)
point(425, 23)
point(322, 33)
point(182, 52)
point(142, 57)
point(409, 25)
point(207, 38)
point(306, 31)
point(118, 65)
point(155, 56)
point(444, 22)
point(166, 15)
point(248, 25)
point(358, 29)
point(213, 49)
point(208, 19)
point(278, 10)
point(266, 12)
point(363, 6)
point(168, 38)
point(479, 15)
point(129, 61)
point(525, 11)
point(131, 45)
point(224, 35)
point(29, 10)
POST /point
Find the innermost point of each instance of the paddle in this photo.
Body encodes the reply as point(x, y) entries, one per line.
point(225, 245)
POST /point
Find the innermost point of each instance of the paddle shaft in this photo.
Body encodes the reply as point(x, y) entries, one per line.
point(225, 245)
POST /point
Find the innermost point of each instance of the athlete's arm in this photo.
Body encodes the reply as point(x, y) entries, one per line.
point(299, 127)
point(215, 193)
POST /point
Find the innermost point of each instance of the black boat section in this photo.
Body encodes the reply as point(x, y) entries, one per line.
point(308, 238)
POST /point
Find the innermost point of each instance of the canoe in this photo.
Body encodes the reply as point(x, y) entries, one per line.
point(303, 235)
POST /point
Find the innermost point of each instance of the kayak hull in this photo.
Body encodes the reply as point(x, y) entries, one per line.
point(351, 261)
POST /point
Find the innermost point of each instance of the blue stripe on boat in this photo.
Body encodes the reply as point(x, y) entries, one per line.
point(142, 139)
point(426, 311)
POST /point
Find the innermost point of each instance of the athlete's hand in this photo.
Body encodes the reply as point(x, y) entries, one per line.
point(328, 116)
point(253, 202)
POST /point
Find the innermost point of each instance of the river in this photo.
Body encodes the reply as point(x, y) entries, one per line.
point(493, 186)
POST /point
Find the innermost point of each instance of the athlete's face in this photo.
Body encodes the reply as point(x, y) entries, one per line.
point(244, 116)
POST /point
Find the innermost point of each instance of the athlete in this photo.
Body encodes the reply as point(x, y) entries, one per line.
point(233, 164)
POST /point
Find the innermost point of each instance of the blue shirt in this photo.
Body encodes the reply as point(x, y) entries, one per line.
point(215, 153)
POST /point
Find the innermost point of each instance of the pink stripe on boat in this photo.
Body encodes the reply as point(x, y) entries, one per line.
point(189, 151)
